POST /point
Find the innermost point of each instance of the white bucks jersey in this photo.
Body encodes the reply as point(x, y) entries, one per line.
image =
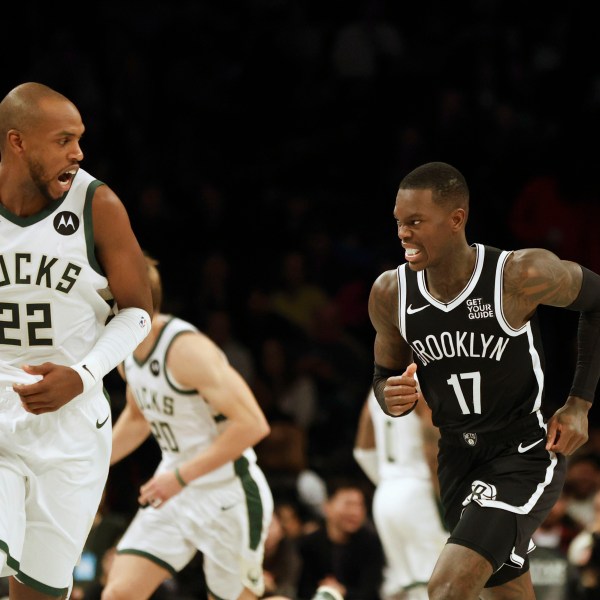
point(54, 297)
point(399, 444)
point(182, 422)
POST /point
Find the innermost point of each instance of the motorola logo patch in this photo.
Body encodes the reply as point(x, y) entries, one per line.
point(66, 223)
point(155, 367)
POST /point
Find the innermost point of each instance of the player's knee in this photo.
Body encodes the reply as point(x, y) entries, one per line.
point(443, 590)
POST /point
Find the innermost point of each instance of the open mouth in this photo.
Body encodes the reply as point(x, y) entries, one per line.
point(67, 177)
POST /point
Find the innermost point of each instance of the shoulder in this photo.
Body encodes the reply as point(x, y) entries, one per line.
point(539, 263)
point(386, 285)
point(383, 299)
point(190, 343)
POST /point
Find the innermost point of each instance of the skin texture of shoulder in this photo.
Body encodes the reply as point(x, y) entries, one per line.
point(534, 277)
point(391, 351)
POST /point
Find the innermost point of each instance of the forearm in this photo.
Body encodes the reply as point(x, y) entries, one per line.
point(587, 370)
point(228, 446)
point(129, 433)
point(120, 338)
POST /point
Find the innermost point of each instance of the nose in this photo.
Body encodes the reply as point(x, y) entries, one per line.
point(403, 232)
point(77, 152)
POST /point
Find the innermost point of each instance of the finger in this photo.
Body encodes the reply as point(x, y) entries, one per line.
point(553, 435)
point(411, 370)
point(42, 369)
point(29, 389)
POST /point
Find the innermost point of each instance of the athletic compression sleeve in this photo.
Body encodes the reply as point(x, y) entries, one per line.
point(587, 370)
point(380, 377)
point(120, 338)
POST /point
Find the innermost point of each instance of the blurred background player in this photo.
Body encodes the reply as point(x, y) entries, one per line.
point(207, 493)
point(399, 457)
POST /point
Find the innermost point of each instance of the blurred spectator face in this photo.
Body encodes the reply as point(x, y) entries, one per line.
point(290, 520)
point(346, 510)
point(583, 479)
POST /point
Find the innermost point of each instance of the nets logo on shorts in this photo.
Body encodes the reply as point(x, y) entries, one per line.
point(481, 491)
point(66, 223)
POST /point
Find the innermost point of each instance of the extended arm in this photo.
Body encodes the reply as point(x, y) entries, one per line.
point(130, 430)
point(535, 277)
point(568, 427)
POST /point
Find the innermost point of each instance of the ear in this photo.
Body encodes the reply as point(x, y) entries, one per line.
point(458, 218)
point(14, 140)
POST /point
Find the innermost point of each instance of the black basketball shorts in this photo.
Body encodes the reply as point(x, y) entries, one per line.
point(495, 495)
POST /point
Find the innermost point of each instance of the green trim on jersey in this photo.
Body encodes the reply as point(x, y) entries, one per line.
point(187, 392)
point(10, 561)
point(31, 220)
point(151, 557)
point(253, 500)
point(39, 586)
point(141, 363)
point(89, 226)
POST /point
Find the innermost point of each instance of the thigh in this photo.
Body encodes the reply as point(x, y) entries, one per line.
point(133, 577)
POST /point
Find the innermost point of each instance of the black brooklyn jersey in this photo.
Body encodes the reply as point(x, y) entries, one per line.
point(476, 372)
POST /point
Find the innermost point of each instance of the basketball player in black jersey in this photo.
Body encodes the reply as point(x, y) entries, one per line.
point(457, 323)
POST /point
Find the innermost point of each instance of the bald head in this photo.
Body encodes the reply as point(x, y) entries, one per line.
point(25, 105)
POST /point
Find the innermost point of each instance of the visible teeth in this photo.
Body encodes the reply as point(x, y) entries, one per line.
point(411, 251)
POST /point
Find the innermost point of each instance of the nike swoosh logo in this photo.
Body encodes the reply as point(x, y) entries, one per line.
point(411, 311)
point(85, 367)
point(100, 425)
point(522, 448)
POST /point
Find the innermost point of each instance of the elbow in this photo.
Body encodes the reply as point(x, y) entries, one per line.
point(263, 429)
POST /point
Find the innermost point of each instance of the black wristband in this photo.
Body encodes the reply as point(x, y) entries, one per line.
point(380, 377)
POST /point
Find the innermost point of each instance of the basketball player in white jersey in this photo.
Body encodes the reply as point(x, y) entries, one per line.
point(399, 456)
point(69, 261)
point(207, 493)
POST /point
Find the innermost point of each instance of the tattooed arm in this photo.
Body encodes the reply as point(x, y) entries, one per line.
point(538, 277)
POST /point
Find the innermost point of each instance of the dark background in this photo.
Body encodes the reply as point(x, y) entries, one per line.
point(246, 130)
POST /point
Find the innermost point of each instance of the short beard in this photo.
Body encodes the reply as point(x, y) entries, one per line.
point(36, 172)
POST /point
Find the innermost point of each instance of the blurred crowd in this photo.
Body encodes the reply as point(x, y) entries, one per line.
point(258, 144)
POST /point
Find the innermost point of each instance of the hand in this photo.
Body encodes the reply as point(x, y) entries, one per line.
point(400, 391)
point(156, 491)
point(568, 426)
point(59, 385)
